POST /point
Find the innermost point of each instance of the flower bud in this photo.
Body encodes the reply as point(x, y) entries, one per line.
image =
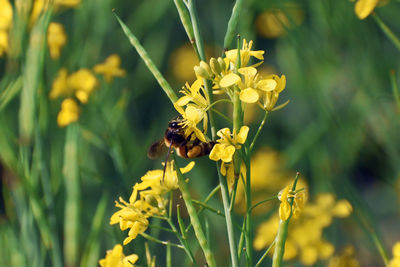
point(201, 72)
point(215, 66)
point(221, 63)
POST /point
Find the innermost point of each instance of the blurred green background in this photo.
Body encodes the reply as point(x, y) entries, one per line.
point(341, 129)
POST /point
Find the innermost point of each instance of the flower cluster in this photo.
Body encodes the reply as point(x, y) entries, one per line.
point(6, 17)
point(304, 238)
point(116, 258)
point(345, 258)
point(147, 199)
point(78, 86)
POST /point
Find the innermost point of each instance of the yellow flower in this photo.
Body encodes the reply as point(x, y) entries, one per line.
point(40, 6)
point(274, 23)
point(253, 85)
point(228, 144)
point(69, 112)
point(6, 15)
point(395, 262)
point(285, 209)
point(364, 7)
point(271, 97)
point(116, 258)
point(129, 216)
point(245, 54)
point(56, 39)
point(197, 101)
point(3, 42)
point(192, 116)
point(110, 68)
point(59, 87)
point(344, 259)
point(182, 61)
point(83, 82)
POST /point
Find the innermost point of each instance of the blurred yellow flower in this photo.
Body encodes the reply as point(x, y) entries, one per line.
point(60, 87)
point(6, 15)
point(395, 262)
point(116, 258)
point(305, 234)
point(110, 68)
point(363, 8)
point(228, 144)
point(344, 259)
point(274, 23)
point(56, 39)
point(69, 112)
point(245, 54)
point(40, 6)
point(3, 42)
point(83, 82)
point(182, 61)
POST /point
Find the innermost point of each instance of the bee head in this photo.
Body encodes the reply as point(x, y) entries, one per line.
point(176, 123)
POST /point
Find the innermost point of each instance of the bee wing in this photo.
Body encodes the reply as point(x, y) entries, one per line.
point(157, 149)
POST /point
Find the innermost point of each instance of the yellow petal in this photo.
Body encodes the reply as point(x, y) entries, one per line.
point(242, 135)
point(227, 153)
point(249, 95)
point(196, 86)
point(224, 132)
point(396, 250)
point(229, 80)
point(223, 169)
point(215, 153)
point(364, 7)
point(342, 209)
point(284, 210)
point(267, 85)
point(248, 71)
point(183, 100)
point(188, 167)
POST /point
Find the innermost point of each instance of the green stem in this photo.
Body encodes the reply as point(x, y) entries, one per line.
point(265, 254)
point(280, 239)
point(233, 21)
point(194, 217)
point(258, 131)
point(201, 204)
point(166, 243)
point(263, 201)
point(147, 60)
point(218, 101)
point(222, 180)
point(387, 31)
point(395, 88)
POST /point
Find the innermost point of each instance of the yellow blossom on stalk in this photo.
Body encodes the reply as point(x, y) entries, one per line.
point(271, 97)
point(285, 209)
point(192, 116)
point(59, 87)
point(363, 8)
point(245, 54)
point(345, 258)
point(147, 199)
point(228, 144)
point(195, 97)
point(56, 39)
point(253, 85)
point(69, 112)
point(395, 262)
point(130, 216)
point(83, 82)
point(110, 68)
point(116, 258)
point(304, 238)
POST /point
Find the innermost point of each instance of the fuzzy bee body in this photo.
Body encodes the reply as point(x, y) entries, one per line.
point(174, 137)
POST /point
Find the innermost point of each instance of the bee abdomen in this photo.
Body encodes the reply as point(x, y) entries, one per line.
point(199, 150)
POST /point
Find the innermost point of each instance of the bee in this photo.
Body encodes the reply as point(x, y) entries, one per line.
point(174, 137)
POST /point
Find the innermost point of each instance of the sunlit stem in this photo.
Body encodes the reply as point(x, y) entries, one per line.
point(258, 132)
point(282, 232)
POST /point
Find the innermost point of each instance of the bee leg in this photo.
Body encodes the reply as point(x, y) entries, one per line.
point(194, 152)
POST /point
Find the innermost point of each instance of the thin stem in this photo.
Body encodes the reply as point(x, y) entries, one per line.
point(194, 217)
point(282, 232)
point(166, 243)
point(387, 31)
point(147, 60)
point(218, 212)
point(395, 88)
point(218, 101)
point(221, 115)
point(265, 254)
point(263, 201)
point(212, 193)
point(258, 131)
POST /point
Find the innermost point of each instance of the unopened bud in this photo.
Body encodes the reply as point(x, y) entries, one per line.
point(205, 66)
point(222, 63)
point(201, 72)
point(215, 66)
